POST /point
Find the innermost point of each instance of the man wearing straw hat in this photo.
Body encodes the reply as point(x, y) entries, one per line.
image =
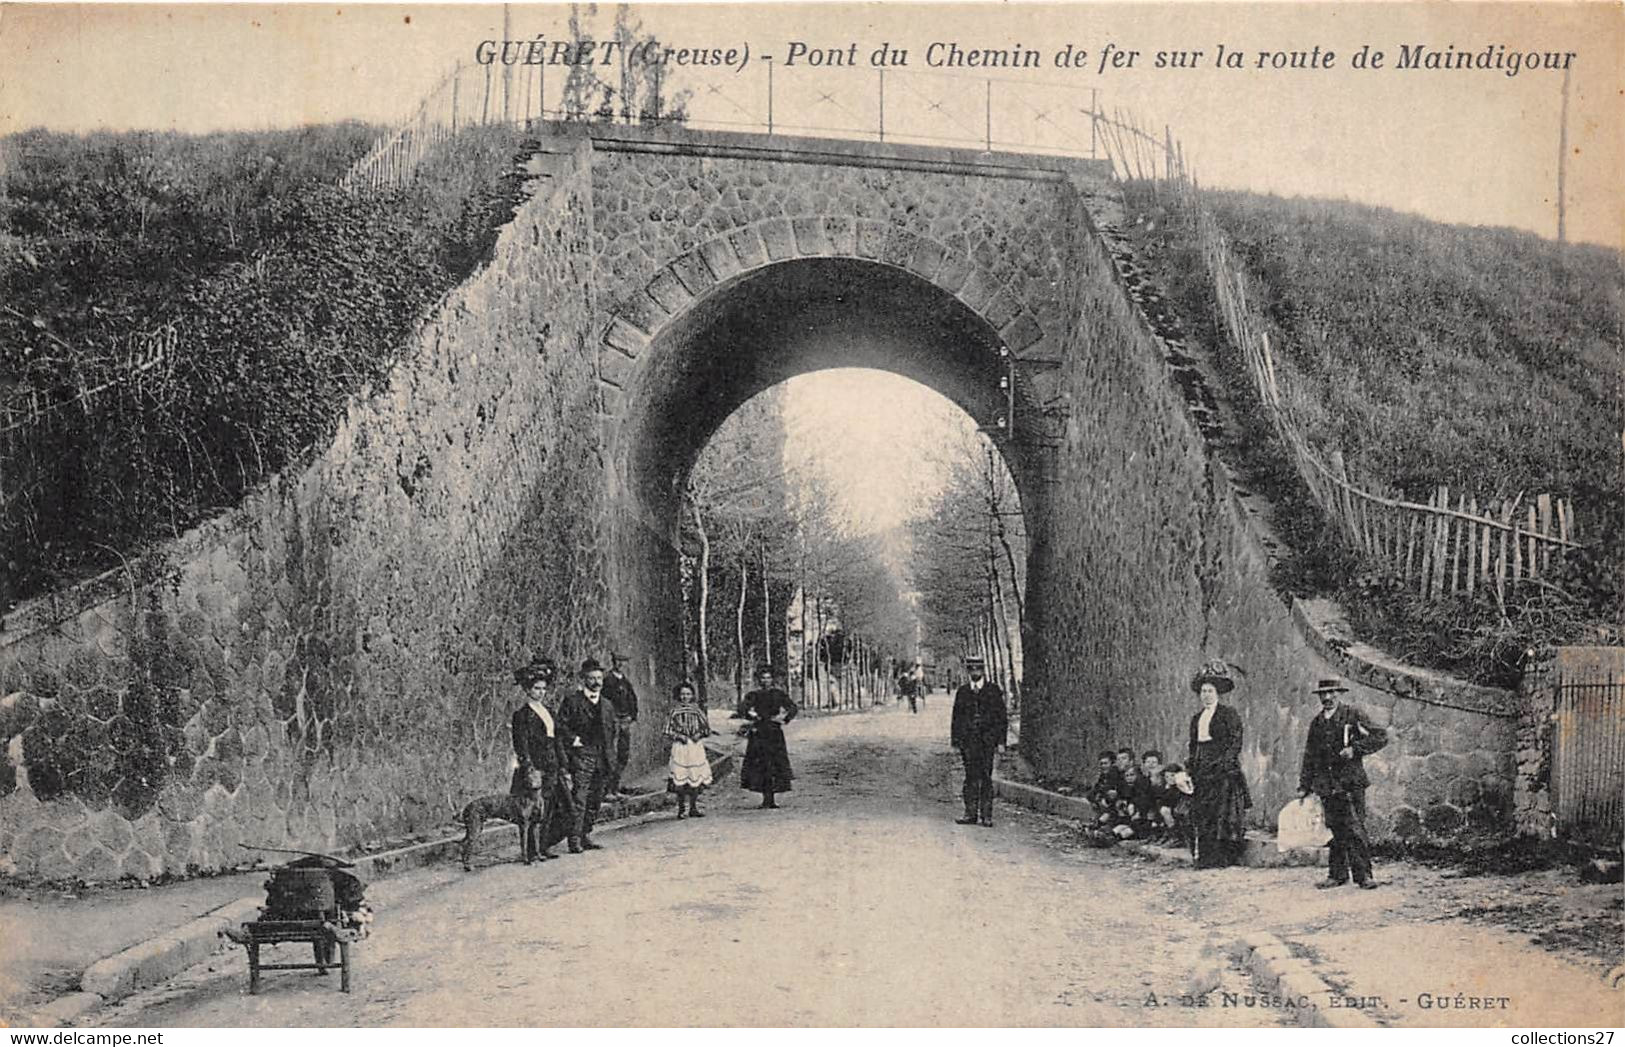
point(1340, 737)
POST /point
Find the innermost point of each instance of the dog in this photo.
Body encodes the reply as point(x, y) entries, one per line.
point(527, 810)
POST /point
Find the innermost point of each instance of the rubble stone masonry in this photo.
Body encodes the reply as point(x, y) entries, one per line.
point(1157, 564)
point(326, 666)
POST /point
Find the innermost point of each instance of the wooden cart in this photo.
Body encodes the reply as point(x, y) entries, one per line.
point(323, 936)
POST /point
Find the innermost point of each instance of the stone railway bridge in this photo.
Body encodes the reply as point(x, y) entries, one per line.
point(328, 665)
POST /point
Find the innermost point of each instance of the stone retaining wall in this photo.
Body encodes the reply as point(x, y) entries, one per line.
point(328, 665)
point(1159, 564)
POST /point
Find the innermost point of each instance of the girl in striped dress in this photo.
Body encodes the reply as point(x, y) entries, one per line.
point(689, 771)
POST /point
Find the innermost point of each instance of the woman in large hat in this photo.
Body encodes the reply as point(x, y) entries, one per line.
point(538, 748)
point(1219, 804)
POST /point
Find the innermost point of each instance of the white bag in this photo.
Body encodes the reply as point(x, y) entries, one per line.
point(1302, 823)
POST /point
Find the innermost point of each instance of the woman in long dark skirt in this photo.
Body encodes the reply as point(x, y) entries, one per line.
point(766, 769)
point(538, 746)
point(1219, 804)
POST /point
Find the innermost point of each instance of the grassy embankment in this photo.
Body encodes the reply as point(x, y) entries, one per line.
point(1485, 359)
point(278, 294)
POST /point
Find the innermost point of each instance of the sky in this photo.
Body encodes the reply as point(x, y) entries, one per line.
point(1472, 146)
point(880, 440)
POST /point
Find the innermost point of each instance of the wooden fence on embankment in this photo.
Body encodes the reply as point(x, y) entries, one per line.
point(1455, 542)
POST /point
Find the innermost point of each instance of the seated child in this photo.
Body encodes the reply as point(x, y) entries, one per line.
point(1125, 812)
point(1107, 781)
point(1152, 805)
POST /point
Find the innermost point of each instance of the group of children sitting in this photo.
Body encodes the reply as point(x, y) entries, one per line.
point(1139, 801)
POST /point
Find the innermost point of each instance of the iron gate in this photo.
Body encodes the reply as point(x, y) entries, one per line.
point(1588, 759)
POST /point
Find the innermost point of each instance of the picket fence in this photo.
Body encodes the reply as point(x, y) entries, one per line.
point(1436, 548)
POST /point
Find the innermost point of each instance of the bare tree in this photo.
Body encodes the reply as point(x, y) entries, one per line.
point(645, 94)
point(969, 550)
point(771, 534)
point(585, 95)
point(740, 522)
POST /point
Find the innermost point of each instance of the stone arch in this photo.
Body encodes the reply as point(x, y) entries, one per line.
point(676, 288)
point(761, 303)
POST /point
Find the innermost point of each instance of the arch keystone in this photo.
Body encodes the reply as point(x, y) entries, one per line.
point(810, 238)
point(842, 233)
point(871, 239)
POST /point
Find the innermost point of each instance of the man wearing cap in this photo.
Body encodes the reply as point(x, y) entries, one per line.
point(624, 700)
point(980, 729)
point(589, 721)
point(1340, 737)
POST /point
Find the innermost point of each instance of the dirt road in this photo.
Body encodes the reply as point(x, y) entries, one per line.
point(860, 902)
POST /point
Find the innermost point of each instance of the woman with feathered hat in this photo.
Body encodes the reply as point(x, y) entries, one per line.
point(1219, 804)
point(538, 748)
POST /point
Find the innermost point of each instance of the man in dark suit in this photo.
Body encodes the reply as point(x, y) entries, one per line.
point(980, 728)
point(1340, 737)
point(588, 719)
point(624, 698)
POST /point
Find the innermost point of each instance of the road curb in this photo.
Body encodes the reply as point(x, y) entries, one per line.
point(63, 1010)
point(167, 954)
point(1259, 851)
point(385, 864)
point(1276, 972)
point(1035, 798)
point(157, 959)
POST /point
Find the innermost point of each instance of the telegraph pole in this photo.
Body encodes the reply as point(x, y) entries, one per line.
point(1563, 161)
point(507, 70)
